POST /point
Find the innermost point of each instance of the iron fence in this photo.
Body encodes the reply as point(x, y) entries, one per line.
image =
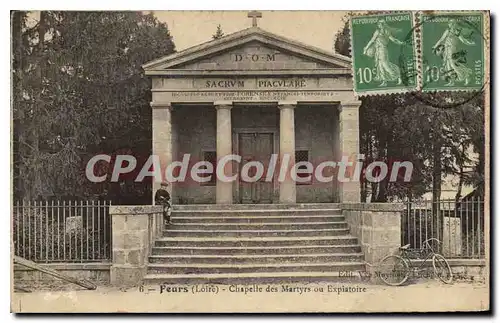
point(62, 231)
point(458, 225)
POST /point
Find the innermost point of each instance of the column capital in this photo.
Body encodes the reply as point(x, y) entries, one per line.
point(223, 104)
point(350, 104)
point(287, 104)
point(161, 105)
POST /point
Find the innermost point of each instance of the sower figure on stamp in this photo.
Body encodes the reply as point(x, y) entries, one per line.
point(162, 197)
point(454, 61)
point(377, 48)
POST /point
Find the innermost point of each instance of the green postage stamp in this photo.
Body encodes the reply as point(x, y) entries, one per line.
point(383, 53)
point(452, 51)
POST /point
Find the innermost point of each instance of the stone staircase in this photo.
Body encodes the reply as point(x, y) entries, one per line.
point(239, 244)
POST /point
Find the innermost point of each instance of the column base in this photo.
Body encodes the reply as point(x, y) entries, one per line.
point(350, 192)
point(350, 197)
point(224, 193)
point(287, 199)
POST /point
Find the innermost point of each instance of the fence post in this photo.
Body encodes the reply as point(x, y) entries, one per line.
point(480, 241)
point(379, 230)
point(93, 232)
point(130, 236)
point(18, 223)
point(59, 229)
point(23, 230)
point(46, 218)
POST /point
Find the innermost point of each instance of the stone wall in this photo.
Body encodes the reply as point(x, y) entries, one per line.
point(377, 226)
point(194, 131)
point(95, 272)
point(468, 269)
point(315, 129)
point(134, 230)
point(465, 270)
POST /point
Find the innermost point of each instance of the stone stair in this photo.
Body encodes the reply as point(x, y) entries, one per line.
point(238, 244)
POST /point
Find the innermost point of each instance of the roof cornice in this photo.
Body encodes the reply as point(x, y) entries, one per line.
point(198, 52)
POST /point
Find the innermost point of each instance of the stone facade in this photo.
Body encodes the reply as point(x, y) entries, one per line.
point(134, 229)
point(465, 270)
point(248, 81)
point(377, 226)
point(316, 128)
point(195, 133)
point(94, 272)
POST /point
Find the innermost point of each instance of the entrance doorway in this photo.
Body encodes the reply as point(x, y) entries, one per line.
point(255, 146)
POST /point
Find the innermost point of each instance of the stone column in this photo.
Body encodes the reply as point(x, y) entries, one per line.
point(162, 139)
point(224, 190)
point(349, 147)
point(287, 147)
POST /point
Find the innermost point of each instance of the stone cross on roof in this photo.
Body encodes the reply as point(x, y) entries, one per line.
point(254, 15)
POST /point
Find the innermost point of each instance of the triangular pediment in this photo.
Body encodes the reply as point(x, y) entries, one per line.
point(250, 49)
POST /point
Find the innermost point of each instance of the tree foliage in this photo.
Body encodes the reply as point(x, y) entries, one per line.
point(79, 90)
point(342, 40)
point(218, 33)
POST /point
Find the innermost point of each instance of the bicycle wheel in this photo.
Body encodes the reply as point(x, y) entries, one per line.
point(442, 268)
point(393, 270)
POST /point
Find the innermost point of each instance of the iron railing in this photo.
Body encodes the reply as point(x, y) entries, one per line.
point(62, 231)
point(458, 225)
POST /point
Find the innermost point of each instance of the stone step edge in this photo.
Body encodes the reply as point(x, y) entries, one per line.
point(260, 256)
point(307, 216)
point(262, 224)
point(294, 205)
point(227, 231)
point(204, 265)
point(260, 248)
point(218, 239)
point(260, 210)
point(247, 275)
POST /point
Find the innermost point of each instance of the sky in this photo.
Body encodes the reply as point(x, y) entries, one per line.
point(316, 28)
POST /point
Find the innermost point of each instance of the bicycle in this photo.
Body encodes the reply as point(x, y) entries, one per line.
point(394, 270)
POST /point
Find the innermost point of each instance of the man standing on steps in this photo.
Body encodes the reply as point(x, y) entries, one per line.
point(162, 197)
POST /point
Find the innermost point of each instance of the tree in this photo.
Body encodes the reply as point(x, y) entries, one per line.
point(342, 40)
point(218, 33)
point(82, 91)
